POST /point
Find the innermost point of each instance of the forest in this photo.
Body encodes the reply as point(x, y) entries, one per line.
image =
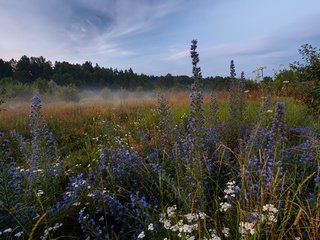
point(40, 71)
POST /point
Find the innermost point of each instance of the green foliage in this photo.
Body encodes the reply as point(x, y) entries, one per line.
point(309, 76)
point(310, 69)
point(251, 85)
point(283, 80)
point(70, 93)
point(16, 90)
point(5, 69)
point(41, 86)
point(2, 97)
point(27, 70)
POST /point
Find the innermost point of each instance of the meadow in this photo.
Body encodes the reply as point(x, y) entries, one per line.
point(224, 165)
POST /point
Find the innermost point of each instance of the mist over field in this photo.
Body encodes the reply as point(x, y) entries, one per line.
point(88, 96)
point(117, 96)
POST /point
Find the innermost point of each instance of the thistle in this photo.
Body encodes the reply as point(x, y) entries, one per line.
point(165, 125)
point(237, 102)
point(196, 124)
point(235, 125)
point(40, 153)
point(267, 152)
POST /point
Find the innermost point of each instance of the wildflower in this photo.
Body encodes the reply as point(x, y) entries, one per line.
point(167, 224)
point(7, 230)
point(187, 228)
point(18, 234)
point(196, 115)
point(231, 190)
point(214, 235)
point(171, 211)
point(270, 208)
point(191, 217)
point(165, 124)
point(225, 206)
point(245, 227)
point(57, 225)
point(202, 215)
point(150, 227)
point(90, 195)
point(226, 232)
point(215, 238)
point(237, 97)
point(141, 235)
point(270, 212)
point(39, 193)
point(174, 228)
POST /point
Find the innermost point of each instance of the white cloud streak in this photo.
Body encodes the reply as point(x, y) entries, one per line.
point(76, 29)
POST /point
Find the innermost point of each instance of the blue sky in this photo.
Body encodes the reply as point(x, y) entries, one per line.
point(153, 36)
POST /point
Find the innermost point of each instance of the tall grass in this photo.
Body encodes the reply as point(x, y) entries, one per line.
point(180, 168)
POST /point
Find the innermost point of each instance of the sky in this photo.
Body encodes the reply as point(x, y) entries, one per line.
point(154, 36)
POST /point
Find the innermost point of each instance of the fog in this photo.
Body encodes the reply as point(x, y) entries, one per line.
point(115, 98)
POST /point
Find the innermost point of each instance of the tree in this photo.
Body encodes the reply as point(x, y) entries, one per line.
point(310, 69)
point(5, 69)
point(40, 68)
point(309, 75)
point(23, 71)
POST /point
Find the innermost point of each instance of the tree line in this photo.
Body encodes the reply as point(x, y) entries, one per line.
point(28, 70)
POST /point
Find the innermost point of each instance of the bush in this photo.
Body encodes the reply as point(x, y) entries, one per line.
point(69, 93)
point(309, 76)
point(2, 97)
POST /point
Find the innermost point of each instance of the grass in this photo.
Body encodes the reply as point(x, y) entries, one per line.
point(122, 172)
point(67, 119)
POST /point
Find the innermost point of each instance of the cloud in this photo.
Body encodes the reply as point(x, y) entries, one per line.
point(288, 37)
point(177, 55)
point(126, 33)
point(278, 46)
point(77, 28)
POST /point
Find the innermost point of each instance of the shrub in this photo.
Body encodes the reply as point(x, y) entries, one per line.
point(69, 93)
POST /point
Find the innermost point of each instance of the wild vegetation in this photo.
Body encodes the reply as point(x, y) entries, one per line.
point(220, 167)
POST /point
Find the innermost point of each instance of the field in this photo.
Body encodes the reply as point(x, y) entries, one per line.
point(176, 167)
point(224, 165)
